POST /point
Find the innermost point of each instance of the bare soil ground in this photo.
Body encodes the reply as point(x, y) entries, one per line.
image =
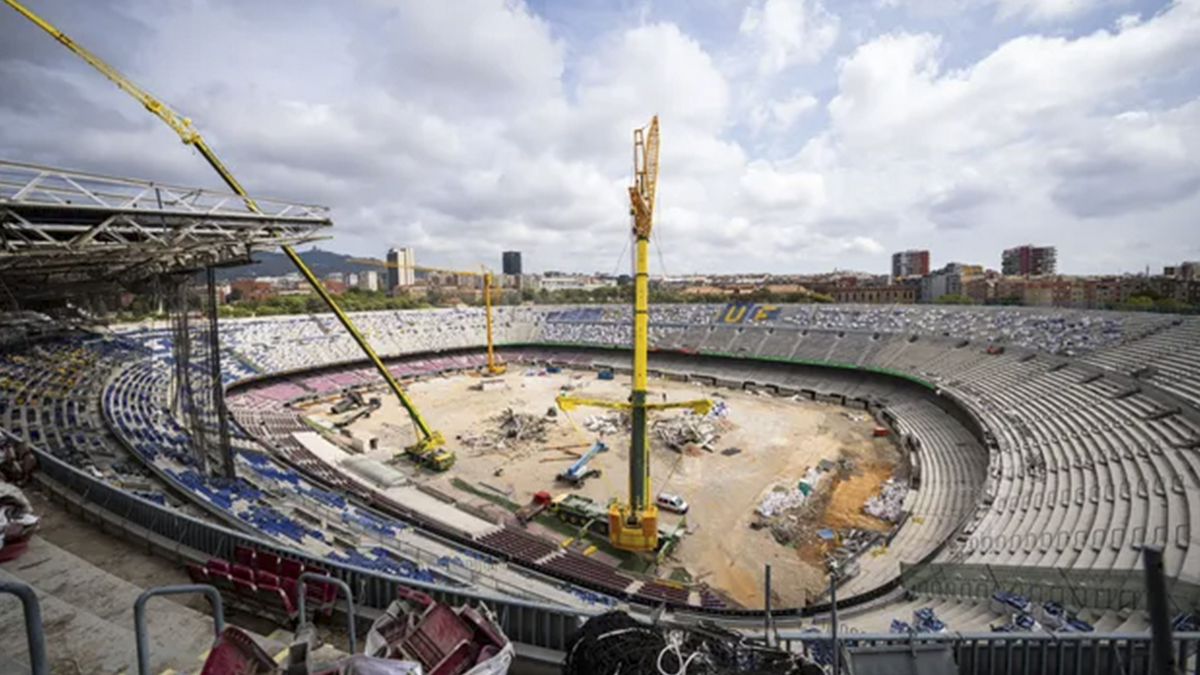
point(849, 495)
point(779, 439)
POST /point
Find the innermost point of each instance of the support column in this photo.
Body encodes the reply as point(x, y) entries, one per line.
point(225, 448)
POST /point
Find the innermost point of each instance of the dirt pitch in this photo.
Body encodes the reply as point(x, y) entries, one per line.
point(779, 438)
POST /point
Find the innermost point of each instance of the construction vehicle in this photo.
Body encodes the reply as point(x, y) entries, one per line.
point(364, 411)
point(435, 459)
point(633, 525)
point(428, 441)
point(579, 510)
point(540, 502)
point(592, 516)
point(493, 367)
point(349, 402)
point(578, 473)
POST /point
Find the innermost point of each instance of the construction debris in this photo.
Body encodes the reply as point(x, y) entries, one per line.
point(888, 504)
point(688, 430)
point(607, 423)
point(521, 426)
point(512, 430)
point(779, 500)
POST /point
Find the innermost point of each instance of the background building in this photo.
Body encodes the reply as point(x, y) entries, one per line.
point(910, 264)
point(946, 281)
point(403, 274)
point(1029, 261)
point(369, 280)
point(511, 262)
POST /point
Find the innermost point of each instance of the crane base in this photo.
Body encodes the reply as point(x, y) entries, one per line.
point(633, 532)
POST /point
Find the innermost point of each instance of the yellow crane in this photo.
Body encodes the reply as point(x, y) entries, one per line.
point(494, 367)
point(633, 525)
point(428, 445)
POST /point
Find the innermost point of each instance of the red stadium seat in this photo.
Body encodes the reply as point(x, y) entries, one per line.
point(290, 569)
point(244, 556)
point(245, 590)
point(262, 578)
point(242, 572)
point(197, 574)
point(267, 562)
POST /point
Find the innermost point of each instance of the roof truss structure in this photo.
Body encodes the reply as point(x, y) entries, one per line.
point(63, 232)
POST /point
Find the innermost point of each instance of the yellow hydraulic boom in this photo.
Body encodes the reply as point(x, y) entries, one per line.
point(427, 439)
point(494, 367)
point(633, 526)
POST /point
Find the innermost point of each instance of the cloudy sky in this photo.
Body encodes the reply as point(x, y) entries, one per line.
point(798, 135)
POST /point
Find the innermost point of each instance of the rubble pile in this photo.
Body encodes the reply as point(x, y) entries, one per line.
point(520, 426)
point(887, 505)
point(689, 430)
point(607, 423)
point(511, 430)
point(776, 502)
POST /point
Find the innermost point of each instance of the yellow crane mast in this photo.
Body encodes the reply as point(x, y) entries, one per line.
point(428, 440)
point(494, 367)
point(633, 525)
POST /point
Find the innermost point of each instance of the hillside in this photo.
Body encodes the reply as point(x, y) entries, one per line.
point(322, 263)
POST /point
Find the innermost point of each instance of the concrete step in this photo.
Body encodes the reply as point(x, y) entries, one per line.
point(87, 615)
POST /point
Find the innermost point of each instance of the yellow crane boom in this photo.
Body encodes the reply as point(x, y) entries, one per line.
point(427, 439)
point(633, 525)
point(494, 367)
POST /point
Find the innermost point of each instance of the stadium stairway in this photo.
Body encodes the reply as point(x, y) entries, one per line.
point(88, 617)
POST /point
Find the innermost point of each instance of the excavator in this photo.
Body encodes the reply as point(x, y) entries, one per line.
point(428, 448)
point(633, 525)
point(493, 367)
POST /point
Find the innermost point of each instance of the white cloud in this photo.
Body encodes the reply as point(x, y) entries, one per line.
point(465, 130)
point(1032, 11)
point(789, 32)
point(779, 115)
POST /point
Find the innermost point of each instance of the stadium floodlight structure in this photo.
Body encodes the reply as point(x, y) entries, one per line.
point(68, 232)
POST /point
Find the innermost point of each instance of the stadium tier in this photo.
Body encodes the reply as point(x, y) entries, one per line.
point(1046, 443)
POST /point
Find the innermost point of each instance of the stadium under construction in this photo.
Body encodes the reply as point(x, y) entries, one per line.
point(766, 488)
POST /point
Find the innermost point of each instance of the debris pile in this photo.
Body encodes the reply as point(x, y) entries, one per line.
point(17, 521)
point(520, 426)
point(511, 430)
point(888, 504)
point(688, 431)
point(607, 423)
point(778, 501)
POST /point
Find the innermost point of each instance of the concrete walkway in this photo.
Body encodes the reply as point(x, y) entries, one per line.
point(87, 615)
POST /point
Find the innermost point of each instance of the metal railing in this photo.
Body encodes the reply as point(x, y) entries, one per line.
point(139, 617)
point(1016, 653)
point(34, 633)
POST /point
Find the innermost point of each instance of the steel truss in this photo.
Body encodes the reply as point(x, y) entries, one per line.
point(65, 231)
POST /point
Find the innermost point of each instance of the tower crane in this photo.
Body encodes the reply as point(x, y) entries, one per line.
point(494, 367)
point(633, 525)
point(428, 441)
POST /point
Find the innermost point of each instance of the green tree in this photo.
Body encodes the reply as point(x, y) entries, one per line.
point(954, 299)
